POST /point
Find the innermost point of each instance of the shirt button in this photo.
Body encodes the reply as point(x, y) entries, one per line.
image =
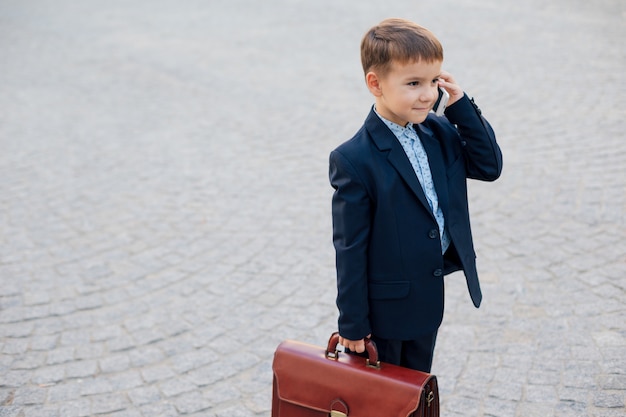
point(437, 272)
point(433, 234)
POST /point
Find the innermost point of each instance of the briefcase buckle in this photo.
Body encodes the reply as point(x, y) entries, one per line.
point(335, 413)
point(375, 365)
point(430, 397)
point(332, 355)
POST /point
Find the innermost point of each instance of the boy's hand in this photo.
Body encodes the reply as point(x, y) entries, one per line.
point(447, 81)
point(357, 346)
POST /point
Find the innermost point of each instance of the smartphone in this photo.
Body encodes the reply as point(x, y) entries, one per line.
point(442, 101)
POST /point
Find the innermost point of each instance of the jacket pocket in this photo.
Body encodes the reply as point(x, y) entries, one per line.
point(389, 290)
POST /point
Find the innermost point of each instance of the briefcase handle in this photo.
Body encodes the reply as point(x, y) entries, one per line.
point(370, 347)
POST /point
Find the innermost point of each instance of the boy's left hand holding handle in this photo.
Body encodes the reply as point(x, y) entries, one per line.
point(357, 346)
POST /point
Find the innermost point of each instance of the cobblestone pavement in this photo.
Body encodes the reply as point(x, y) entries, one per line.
point(165, 208)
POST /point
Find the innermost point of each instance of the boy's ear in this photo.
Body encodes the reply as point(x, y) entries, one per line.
point(373, 83)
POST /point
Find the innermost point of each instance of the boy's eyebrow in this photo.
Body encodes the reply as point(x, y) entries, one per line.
point(411, 77)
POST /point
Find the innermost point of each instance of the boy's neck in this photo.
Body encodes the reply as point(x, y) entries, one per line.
point(386, 119)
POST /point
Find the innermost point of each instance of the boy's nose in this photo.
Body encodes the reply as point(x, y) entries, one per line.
point(429, 95)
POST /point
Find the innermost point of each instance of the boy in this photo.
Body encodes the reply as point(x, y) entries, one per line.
point(400, 212)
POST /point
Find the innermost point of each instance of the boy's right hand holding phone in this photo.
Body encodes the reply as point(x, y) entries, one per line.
point(446, 80)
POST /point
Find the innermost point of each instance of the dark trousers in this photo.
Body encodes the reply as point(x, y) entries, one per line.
point(414, 354)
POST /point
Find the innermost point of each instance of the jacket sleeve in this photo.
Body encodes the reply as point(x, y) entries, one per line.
point(351, 228)
point(483, 157)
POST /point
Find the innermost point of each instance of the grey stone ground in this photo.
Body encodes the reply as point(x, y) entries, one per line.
point(164, 204)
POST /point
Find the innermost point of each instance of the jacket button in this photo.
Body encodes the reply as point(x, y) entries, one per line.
point(437, 272)
point(433, 234)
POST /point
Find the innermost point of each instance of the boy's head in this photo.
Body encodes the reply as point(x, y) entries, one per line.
point(402, 64)
point(398, 41)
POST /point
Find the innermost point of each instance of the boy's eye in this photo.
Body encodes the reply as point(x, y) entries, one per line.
point(414, 83)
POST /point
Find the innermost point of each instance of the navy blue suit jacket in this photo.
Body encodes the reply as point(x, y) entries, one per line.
point(388, 251)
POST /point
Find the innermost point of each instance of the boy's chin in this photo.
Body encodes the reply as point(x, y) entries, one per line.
point(418, 120)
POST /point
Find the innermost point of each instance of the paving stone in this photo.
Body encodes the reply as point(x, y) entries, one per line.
point(144, 395)
point(146, 356)
point(192, 360)
point(191, 403)
point(29, 360)
point(49, 375)
point(79, 408)
point(121, 343)
point(607, 412)
point(90, 351)
point(114, 363)
point(11, 411)
point(126, 380)
point(609, 400)
point(232, 411)
point(124, 413)
point(17, 330)
point(157, 373)
point(176, 386)
point(552, 378)
point(60, 355)
point(44, 343)
point(41, 412)
point(12, 346)
point(81, 369)
point(574, 395)
point(496, 408)
point(109, 403)
point(510, 390)
point(94, 386)
point(75, 337)
point(613, 382)
point(30, 395)
point(159, 409)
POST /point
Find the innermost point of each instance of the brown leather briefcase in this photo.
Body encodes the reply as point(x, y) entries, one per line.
point(311, 381)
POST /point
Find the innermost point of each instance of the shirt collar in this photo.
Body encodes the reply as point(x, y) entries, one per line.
point(398, 130)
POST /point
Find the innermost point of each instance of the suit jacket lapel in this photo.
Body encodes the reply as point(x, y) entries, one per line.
point(397, 157)
point(386, 141)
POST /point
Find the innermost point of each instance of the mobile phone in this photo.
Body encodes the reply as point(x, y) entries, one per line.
point(442, 101)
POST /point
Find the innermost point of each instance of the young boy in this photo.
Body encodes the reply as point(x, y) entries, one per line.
point(400, 211)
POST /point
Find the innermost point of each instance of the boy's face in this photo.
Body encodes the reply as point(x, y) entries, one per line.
point(407, 92)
